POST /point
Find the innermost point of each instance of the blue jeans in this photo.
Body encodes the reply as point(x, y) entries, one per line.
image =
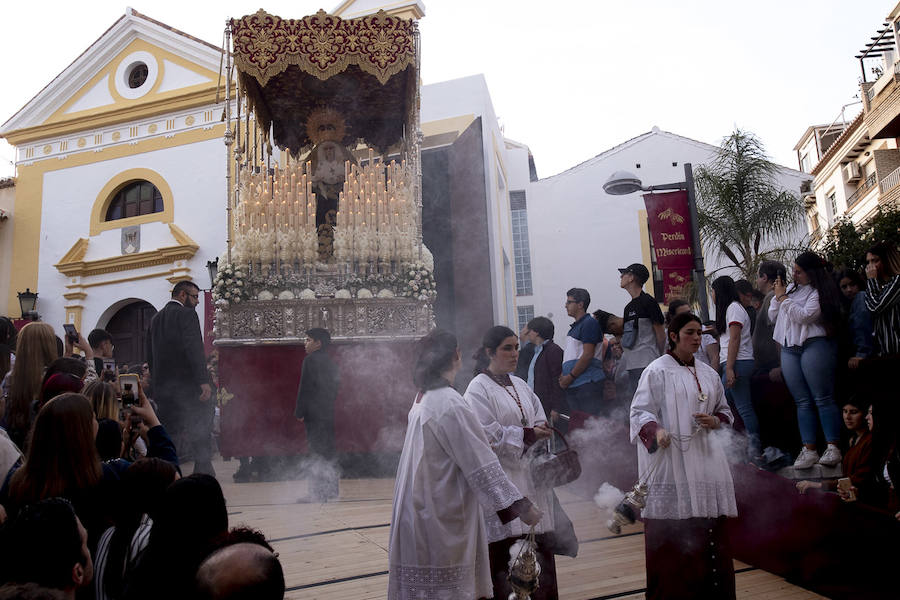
point(587, 397)
point(808, 371)
point(739, 395)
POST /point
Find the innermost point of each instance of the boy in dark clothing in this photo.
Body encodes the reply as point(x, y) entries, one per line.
point(319, 381)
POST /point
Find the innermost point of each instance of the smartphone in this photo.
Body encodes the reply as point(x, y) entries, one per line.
point(845, 484)
point(109, 364)
point(71, 332)
point(128, 383)
point(782, 275)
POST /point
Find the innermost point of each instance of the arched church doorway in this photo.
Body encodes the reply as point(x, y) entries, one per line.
point(128, 328)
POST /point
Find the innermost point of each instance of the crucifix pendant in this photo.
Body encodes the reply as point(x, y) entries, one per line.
point(524, 422)
point(702, 397)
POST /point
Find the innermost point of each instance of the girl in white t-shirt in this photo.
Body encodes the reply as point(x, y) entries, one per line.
point(736, 355)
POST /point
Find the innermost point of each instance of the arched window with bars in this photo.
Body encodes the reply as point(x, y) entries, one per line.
point(135, 199)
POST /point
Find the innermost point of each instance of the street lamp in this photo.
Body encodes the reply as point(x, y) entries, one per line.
point(27, 303)
point(622, 183)
point(213, 267)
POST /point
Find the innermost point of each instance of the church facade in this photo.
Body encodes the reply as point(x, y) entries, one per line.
point(121, 187)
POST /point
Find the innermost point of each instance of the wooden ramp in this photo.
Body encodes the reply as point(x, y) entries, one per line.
point(338, 551)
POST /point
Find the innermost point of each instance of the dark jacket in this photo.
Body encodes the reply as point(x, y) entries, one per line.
point(547, 370)
point(526, 353)
point(175, 351)
point(319, 380)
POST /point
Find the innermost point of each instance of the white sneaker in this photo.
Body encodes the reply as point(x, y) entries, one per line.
point(831, 456)
point(807, 459)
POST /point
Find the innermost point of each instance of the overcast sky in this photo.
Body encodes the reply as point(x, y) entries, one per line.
point(569, 79)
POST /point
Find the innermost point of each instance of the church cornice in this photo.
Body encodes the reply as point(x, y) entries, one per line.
point(106, 119)
point(72, 264)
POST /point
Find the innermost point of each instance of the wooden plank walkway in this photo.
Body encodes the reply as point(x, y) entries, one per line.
point(338, 551)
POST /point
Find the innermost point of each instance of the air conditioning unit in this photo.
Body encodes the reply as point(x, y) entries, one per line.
point(806, 186)
point(851, 172)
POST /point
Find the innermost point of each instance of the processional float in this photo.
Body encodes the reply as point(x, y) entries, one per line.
point(324, 192)
point(324, 226)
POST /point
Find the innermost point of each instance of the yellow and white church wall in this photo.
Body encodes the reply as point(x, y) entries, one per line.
point(88, 134)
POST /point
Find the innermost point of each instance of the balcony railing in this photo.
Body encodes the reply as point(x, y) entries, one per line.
point(890, 181)
point(861, 190)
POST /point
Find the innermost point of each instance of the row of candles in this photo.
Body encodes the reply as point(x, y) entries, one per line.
point(281, 201)
point(375, 196)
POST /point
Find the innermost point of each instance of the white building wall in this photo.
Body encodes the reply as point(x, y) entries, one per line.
point(580, 235)
point(195, 174)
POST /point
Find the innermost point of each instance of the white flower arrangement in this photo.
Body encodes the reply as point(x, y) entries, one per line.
point(307, 294)
point(364, 293)
point(265, 295)
point(286, 295)
point(342, 293)
point(229, 285)
point(420, 283)
point(385, 293)
point(427, 258)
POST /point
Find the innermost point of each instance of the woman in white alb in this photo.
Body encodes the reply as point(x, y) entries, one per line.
point(447, 475)
point(513, 420)
point(679, 401)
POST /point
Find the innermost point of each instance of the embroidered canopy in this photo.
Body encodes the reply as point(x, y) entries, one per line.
point(364, 68)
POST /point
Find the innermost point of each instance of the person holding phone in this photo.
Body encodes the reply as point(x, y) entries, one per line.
point(102, 345)
point(857, 462)
point(806, 318)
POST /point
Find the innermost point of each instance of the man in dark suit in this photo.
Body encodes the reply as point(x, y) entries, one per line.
point(544, 370)
point(181, 385)
point(319, 380)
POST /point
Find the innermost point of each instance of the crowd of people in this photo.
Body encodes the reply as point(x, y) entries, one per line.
point(677, 382)
point(93, 501)
point(96, 506)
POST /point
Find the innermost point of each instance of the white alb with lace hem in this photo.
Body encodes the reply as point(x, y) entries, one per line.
point(692, 477)
point(501, 419)
point(447, 474)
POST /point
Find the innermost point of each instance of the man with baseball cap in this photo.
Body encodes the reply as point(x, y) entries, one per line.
point(644, 336)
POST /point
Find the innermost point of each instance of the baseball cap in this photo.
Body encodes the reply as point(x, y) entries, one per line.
point(638, 270)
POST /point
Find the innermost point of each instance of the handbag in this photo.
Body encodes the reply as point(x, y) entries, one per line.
point(553, 470)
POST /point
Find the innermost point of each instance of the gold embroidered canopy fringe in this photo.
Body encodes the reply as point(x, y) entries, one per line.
point(289, 67)
point(322, 45)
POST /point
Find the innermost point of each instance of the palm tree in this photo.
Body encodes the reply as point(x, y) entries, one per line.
point(744, 215)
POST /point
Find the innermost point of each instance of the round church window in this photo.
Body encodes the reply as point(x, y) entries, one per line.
point(137, 76)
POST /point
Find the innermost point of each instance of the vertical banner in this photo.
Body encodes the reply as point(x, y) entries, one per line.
point(669, 220)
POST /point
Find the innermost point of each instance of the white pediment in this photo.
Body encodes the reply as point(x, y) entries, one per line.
point(176, 77)
point(95, 97)
point(83, 85)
